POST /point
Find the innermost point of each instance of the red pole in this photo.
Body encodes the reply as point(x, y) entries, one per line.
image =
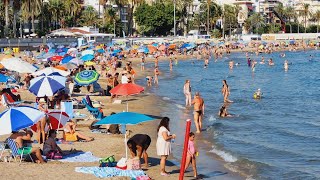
point(185, 149)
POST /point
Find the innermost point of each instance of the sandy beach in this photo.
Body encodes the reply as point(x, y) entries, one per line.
point(105, 145)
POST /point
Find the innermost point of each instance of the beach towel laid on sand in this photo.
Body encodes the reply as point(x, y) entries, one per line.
point(80, 157)
point(107, 172)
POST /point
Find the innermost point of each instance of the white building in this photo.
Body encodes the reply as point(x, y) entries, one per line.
point(95, 4)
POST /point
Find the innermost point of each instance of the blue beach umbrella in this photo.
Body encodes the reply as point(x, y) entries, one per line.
point(17, 118)
point(116, 51)
point(52, 51)
point(100, 51)
point(125, 118)
point(4, 78)
point(66, 59)
point(87, 57)
point(47, 85)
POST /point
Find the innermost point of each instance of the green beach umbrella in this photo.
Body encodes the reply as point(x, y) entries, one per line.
point(86, 77)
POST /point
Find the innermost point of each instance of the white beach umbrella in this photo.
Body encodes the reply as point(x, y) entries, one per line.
point(18, 65)
point(47, 85)
point(50, 70)
point(85, 52)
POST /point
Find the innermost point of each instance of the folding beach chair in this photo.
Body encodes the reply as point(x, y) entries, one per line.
point(94, 111)
point(14, 150)
point(3, 148)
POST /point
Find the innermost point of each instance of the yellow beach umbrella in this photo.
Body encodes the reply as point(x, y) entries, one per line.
point(5, 56)
point(89, 63)
point(261, 46)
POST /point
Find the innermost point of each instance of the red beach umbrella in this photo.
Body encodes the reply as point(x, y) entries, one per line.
point(56, 58)
point(126, 90)
point(54, 118)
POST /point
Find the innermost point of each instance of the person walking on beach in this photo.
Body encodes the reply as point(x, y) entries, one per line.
point(225, 91)
point(198, 111)
point(142, 63)
point(164, 143)
point(156, 75)
point(187, 92)
point(191, 155)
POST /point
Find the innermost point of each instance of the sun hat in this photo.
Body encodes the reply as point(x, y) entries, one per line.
point(41, 100)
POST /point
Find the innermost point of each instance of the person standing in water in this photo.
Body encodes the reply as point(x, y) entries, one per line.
point(286, 65)
point(156, 75)
point(231, 64)
point(170, 64)
point(225, 91)
point(198, 111)
point(187, 92)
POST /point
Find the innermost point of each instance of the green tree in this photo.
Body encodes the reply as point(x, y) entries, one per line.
point(156, 19)
point(254, 22)
point(6, 10)
point(72, 10)
point(89, 17)
point(306, 13)
point(316, 18)
point(56, 7)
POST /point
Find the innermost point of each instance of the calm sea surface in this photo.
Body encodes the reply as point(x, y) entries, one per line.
point(277, 137)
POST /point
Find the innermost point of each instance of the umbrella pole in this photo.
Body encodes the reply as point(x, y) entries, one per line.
point(59, 122)
point(127, 104)
point(125, 143)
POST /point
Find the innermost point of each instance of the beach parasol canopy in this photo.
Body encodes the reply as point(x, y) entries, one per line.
point(76, 61)
point(86, 77)
point(47, 85)
point(66, 59)
point(18, 65)
point(69, 66)
point(57, 120)
point(51, 70)
point(89, 63)
point(87, 57)
point(4, 78)
point(56, 58)
point(85, 52)
point(17, 118)
point(5, 56)
point(61, 68)
point(126, 89)
point(125, 118)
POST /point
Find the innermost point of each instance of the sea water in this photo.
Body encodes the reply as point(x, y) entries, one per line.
point(276, 137)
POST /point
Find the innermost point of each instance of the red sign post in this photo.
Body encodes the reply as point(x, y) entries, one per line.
point(185, 149)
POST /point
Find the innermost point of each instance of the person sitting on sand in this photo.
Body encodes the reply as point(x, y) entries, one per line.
point(70, 130)
point(139, 143)
point(50, 144)
point(23, 138)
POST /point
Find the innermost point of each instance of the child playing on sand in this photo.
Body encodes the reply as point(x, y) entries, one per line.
point(191, 155)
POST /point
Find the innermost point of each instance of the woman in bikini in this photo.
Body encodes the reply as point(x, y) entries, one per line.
point(225, 91)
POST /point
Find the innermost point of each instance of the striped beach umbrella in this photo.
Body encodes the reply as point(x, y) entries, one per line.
point(51, 70)
point(17, 118)
point(47, 85)
point(86, 77)
point(57, 120)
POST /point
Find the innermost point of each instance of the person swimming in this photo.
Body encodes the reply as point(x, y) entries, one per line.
point(257, 94)
point(223, 112)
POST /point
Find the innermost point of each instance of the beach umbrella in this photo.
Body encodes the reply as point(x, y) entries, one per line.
point(85, 52)
point(52, 51)
point(57, 120)
point(47, 85)
point(5, 56)
point(152, 49)
point(55, 58)
point(162, 47)
point(71, 50)
point(17, 118)
point(125, 118)
point(126, 89)
point(100, 51)
point(51, 70)
point(116, 51)
point(89, 63)
point(4, 78)
point(86, 77)
point(61, 68)
point(87, 57)
point(18, 65)
point(76, 61)
point(66, 59)
point(8, 51)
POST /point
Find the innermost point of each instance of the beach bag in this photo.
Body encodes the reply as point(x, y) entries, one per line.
point(109, 159)
point(54, 155)
point(122, 164)
point(114, 129)
point(133, 164)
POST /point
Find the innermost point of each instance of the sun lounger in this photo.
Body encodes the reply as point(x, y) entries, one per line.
point(94, 111)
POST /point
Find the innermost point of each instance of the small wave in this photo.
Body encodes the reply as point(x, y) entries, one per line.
point(180, 106)
point(224, 155)
point(166, 98)
point(211, 119)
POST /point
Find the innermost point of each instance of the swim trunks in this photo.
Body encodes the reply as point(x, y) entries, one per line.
point(199, 112)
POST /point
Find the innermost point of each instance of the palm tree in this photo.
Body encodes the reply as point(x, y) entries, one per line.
point(255, 21)
point(56, 7)
point(316, 17)
point(89, 16)
point(120, 4)
point(72, 9)
point(306, 13)
point(30, 10)
point(6, 6)
point(208, 16)
point(134, 4)
point(290, 14)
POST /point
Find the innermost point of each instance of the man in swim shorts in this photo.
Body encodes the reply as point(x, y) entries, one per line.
point(198, 111)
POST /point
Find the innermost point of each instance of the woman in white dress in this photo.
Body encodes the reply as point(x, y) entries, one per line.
point(164, 143)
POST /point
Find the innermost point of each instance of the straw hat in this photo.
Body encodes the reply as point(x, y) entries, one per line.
point(41, 100)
